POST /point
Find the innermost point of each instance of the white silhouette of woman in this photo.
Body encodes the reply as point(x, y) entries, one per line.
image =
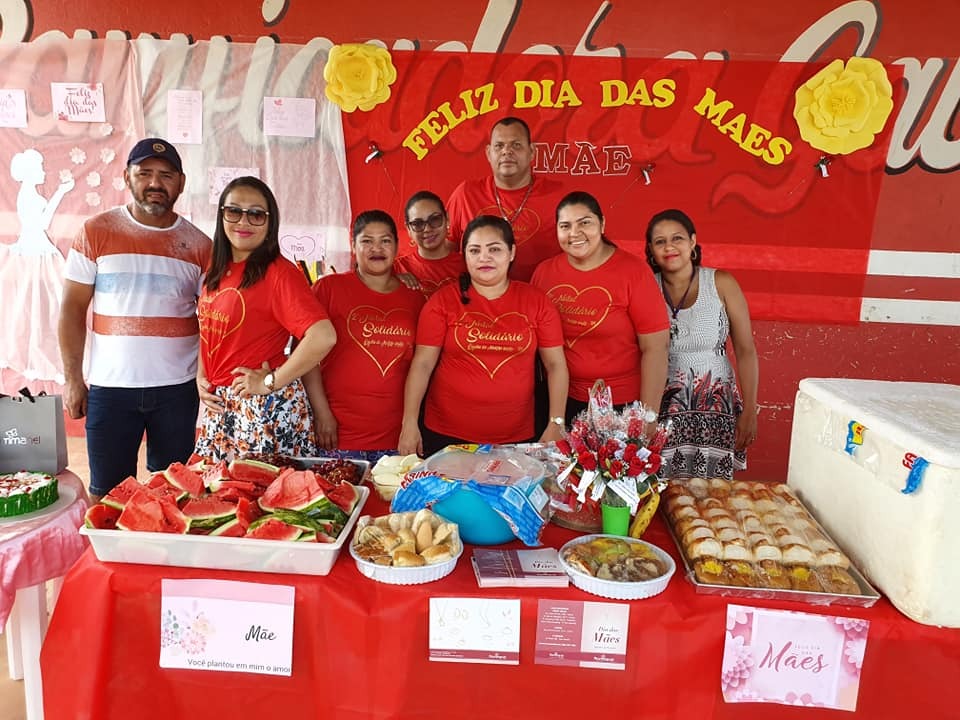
point(34, 211)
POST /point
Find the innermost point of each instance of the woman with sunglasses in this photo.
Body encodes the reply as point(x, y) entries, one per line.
point(357, 397)
point(252, 301)
point(435, 261)
point(476, 342)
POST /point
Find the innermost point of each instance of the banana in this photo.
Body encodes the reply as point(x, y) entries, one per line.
point(644, 516)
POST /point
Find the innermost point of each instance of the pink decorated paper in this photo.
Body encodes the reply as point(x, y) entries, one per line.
point(792, 658)
point(37, 550)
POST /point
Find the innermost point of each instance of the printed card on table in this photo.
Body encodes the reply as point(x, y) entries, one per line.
point(792, 658)
point(78, 102)
point(219, 177)
point(475, 630)
point(13, 108)
point(290, 116)
point(185, 116)
point(226, 626)
point(582, 634)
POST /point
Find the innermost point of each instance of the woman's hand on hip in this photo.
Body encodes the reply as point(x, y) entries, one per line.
point(207, 396)
point(248, 383)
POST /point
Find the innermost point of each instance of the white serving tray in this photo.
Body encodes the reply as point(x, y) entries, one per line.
point(222, 553)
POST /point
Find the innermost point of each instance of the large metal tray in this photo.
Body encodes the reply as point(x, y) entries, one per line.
point(868, 597)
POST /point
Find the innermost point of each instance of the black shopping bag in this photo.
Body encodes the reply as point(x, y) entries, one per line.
point(32, 436)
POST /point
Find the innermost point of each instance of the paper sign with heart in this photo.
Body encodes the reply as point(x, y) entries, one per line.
point(493, 342)
point(221, 314)
point(385, 336)
point(581, 311)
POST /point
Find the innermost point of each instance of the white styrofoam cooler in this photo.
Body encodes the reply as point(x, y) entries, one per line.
point(908, 545)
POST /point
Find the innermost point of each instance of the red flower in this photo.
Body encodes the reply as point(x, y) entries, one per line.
point(587, 460)
point(592, 440)
point(630, 452)
point(564, 447)
point(616, 468)
point(653, 464)
point(634, 427)
point(636, 467)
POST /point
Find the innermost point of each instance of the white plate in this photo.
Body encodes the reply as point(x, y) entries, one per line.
point(67, 496)
point(615, 589)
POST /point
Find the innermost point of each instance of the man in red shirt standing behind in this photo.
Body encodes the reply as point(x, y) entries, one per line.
point(527, 201)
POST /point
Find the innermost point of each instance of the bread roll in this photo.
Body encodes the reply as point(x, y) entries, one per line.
point(730, 534)
point(741, 486)
point(436, 554)
point(444, 532)
point(687, 524)
point(752, 523)
point(419, 518)
point(682, 511)
point(796, 554)
point(388, 541)
point(832, 558)
point(803, 578)
point(705, 547)
point(740, 573)
point(407, 536)
point(407, 559)
point(837, 580)
point(695, 533)
point(715, 513)
point(736, 551)
point(724, 521)
point(710, 572)
point(410, 547)
point(787, 540)
point(424, 535)
point(710, 502)
point(741, 502)
point(773, 575)
point(698, 487)
point(719, 488)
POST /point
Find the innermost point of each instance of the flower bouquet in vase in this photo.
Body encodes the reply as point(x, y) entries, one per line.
point(609, 462)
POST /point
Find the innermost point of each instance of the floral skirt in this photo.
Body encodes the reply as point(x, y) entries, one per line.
point(280, 423)
point(700, 444)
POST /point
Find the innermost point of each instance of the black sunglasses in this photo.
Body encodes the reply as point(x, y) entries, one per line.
point(255, 216)
point(418, 225)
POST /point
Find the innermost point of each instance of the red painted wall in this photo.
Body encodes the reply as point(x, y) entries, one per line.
point(917, 211)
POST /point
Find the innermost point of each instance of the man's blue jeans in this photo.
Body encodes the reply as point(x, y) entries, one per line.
point(117, 419)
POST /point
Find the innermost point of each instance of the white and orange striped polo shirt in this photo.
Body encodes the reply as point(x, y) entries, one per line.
point(146, 282)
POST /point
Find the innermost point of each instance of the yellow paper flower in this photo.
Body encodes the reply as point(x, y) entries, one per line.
point(842, 108)
point(358, 76)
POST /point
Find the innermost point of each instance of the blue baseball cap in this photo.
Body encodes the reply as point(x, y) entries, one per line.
point(155, 148)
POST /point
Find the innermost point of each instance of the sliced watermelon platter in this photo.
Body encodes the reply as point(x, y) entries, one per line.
point(243, 499)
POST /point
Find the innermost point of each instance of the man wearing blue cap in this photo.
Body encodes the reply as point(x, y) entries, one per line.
point(141, 266)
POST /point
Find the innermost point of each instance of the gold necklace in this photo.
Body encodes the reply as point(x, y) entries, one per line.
point(516, 213)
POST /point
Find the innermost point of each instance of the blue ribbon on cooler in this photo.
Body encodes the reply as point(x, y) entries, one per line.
point(915, 476)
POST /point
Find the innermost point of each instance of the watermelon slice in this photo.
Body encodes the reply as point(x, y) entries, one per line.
point(101, 517)
point(345, 496)
point(146, 512)
point(214, 475)
point(208, 511)
point(247, 512)
point(269, 528)
point(159, 485)
point(179, 475)
point(122, 492)
point(231, 528)
point(292, 490)
point(253, 471)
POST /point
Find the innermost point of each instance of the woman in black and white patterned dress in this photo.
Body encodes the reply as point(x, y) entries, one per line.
point(712, 421)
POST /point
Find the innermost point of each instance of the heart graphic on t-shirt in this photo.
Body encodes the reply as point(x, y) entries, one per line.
point(383, 336)
point(574, 306)
point(221, 314)
point(493, 342)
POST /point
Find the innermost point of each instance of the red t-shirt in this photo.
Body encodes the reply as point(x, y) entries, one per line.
point(535, 228)
point(431, 273)
point(363, 375)
point(603, 310)
point(482, 387)
point(246, 327)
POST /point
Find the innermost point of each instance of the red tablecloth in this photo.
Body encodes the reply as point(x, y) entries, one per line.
point(360, 652)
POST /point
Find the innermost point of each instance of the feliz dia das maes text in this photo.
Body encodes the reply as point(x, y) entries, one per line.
point(471, 103)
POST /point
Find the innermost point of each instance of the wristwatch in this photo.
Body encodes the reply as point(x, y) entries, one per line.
point(558, 421)
point(270, 381)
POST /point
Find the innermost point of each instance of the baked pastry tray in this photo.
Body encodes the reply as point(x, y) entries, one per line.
point(867, 599)
point(764, 519)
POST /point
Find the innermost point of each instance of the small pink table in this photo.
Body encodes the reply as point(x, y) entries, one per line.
point(34, 550)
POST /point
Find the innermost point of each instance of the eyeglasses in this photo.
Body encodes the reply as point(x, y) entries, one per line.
point(255, 216)
point(434, 221)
